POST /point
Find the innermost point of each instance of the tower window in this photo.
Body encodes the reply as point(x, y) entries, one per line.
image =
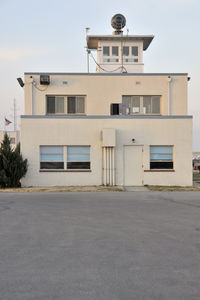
point(106, 51)
point(115, 51)
point(126, 51)
point(134, 51)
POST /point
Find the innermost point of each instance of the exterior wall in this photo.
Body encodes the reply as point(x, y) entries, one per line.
point(101, 90)
point(146, 131)
point(129, 66)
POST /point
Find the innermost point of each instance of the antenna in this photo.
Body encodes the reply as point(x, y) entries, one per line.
point(88, 50)
point(14, 114)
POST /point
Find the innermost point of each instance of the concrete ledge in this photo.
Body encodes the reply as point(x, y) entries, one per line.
point(103, 117)
point(154, 170)
point(65, 170)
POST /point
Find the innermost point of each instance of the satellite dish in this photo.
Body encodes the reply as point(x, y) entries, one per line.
point(118, 22)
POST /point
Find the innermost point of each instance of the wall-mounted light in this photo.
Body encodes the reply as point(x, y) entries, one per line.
point(169, 78)
point(20, 81)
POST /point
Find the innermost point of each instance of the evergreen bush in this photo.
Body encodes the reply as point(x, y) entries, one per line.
point(12, 165)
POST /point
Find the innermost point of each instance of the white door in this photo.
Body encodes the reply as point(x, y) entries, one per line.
point(133, 169)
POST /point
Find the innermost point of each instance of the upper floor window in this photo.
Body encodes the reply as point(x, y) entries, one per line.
point(106, 51)
point(141, 104)
point(55, 105)
point(115, 51)
point(65, 105)
point(75, 105)
point(151, 104)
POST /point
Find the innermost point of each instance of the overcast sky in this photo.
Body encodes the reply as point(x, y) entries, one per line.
point(49, 36)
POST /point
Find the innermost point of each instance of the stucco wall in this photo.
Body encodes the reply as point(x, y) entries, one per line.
point(85, 131)
point(102, 90)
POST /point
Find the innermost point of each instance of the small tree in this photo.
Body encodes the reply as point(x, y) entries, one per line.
point(12, 165)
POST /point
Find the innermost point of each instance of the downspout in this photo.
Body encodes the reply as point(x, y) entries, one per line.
point(169, 96)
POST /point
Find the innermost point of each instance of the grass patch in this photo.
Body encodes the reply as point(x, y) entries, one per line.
point(173, 188)
point(196, 176)
point(57, 189)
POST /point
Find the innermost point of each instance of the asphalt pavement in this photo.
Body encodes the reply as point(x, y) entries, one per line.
point(106, 246)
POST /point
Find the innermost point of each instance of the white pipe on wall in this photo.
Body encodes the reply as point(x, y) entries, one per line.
point(108, 165)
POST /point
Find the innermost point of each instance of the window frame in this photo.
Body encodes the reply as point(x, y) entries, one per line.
point(123, 50)
point(111, 59)
point(108, 47)
point(141, 100)
point(66, 104)
point(77, 161)
point(133, 51)
point(161, 161)
point(64, 159)
point(113, 55)
point(51, 160)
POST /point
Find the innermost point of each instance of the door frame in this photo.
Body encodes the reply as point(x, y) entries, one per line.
point(142, 148)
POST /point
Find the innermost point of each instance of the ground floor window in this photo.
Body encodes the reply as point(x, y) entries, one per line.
point(161, 157)
point(65, 157)
point(51, 157)
point(78, 157)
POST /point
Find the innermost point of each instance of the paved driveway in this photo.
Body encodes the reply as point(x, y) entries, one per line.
point(116, 245)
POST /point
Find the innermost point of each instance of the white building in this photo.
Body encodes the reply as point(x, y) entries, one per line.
point(118, 126)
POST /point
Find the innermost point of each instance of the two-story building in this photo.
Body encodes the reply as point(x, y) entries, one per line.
point(118, 126)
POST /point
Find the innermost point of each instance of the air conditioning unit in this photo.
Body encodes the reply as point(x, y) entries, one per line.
point(44, 79)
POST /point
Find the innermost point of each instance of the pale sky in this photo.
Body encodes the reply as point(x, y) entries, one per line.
point(49, 36)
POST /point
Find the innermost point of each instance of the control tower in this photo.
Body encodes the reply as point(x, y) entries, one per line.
point(119, 52)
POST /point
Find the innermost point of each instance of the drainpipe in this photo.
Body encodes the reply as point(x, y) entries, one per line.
point(169, 96)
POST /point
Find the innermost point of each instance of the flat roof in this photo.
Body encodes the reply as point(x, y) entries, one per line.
point(92, 40)
point(106, 74)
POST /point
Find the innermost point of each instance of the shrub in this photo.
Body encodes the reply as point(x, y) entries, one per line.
point(12, 165)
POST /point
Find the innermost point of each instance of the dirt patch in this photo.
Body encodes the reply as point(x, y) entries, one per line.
point(57, 189)
point(173, 188)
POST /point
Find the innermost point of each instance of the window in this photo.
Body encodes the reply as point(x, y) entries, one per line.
point(51, 157)
point(12, 141)
point(75, 105)
point(131, 60)
point(65, 104)
point(110, 60)
point(106, 51)
point(78, 157)
point(134, 51)
point(55, 105)
point(151, 104)
point(132, 104)
point(161, 157)
point(115, 51)
point(141, 104)
point(126, 51)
